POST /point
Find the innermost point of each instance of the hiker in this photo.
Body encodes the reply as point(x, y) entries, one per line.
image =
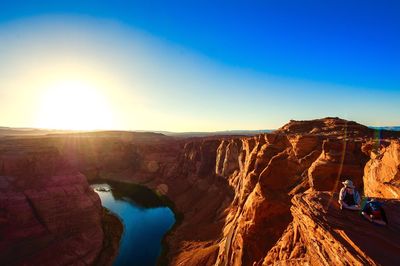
point(349, 198)
point(374, 212)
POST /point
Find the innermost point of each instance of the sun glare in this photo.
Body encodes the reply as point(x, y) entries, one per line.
point(74, 105)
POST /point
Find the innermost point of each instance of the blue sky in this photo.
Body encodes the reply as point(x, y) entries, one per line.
point(338, 58)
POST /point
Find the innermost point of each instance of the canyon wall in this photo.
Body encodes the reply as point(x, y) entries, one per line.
point(382, 172)
point(48, 213)
point(244, 200)
point(264, 172)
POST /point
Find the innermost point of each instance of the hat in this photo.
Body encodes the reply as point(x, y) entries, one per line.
point(348, 183)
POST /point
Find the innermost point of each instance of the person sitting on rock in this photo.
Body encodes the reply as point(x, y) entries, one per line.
point(349, 198)
point(374, 212)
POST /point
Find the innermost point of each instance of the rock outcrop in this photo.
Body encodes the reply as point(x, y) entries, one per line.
point(336, 127)
point(382, 172)
point(322, 234)
point(340, 160)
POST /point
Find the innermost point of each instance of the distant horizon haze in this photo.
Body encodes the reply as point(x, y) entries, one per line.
point(227, 131)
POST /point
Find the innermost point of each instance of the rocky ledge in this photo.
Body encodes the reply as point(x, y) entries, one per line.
point(322, 234)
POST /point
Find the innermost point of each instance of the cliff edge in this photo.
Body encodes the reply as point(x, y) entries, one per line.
point(322, 234)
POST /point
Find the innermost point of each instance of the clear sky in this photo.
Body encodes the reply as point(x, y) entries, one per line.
point(197, 65)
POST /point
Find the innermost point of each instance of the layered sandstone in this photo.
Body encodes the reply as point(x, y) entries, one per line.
point(48, 213)
point(382, 172)
point(235, 194)
point(336, 127)
point(339, 160)
point(322, 234)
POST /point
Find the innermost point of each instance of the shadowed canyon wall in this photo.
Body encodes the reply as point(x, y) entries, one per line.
point(48, 213)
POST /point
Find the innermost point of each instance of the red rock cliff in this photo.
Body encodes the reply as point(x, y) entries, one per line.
point(236, 193)
point(382, 172)
point(48, 213)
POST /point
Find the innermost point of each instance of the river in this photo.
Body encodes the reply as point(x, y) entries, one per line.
point(145, 217)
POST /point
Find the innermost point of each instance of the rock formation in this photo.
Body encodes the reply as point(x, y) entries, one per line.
point(244, 200)
point(382, 172)
point(322, 234)
point(48, 213)
point(336, 127)
point(340, 159)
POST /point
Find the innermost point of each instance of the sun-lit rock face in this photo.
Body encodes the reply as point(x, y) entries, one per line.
point(339, 160)
point(228, 157)
point(335, 127)
point(322, 234)
point(382, 172)
point(272, 166)
point(48, 214)
point(304, 145)
point(260, 199)
point(326, 126)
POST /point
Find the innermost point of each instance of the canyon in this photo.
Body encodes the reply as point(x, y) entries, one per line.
point(268, 199)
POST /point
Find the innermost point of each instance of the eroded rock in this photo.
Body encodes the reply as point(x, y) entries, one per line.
point(339, 160)
point(234, 192)
point(382, 172)
point(322, 234)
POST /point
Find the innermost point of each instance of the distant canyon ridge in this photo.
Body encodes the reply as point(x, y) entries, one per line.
point(265, 199)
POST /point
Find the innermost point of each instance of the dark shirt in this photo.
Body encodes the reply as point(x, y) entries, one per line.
point(349, 199)
point(375, 209)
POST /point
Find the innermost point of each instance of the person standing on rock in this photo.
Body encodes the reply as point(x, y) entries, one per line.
point(349, 198)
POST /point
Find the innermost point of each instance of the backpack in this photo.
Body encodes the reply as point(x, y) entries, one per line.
point(375, 209)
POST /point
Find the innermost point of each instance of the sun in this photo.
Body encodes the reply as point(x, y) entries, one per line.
point(74, 105)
